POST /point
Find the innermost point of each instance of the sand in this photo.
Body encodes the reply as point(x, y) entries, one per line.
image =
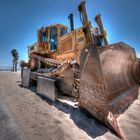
point(37, 118)
point(8, 129)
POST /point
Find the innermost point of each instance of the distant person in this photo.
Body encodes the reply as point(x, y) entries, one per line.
point(98, 38)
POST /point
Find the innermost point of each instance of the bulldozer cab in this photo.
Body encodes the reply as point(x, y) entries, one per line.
point(48, 38)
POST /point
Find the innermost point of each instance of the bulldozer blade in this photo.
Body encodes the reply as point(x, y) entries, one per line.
point(112, 124)
point(93, 91)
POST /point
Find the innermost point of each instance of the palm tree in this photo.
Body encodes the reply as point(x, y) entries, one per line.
point(15, 55)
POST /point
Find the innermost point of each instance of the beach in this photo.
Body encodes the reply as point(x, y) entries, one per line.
point(32, 117)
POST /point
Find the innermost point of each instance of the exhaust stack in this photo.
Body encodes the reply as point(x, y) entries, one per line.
point(71, 21)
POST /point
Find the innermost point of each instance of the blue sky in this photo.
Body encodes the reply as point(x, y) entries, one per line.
point(19, 20)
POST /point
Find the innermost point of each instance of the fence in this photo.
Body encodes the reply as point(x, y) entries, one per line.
point(5, 69)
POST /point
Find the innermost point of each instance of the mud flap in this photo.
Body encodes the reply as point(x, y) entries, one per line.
point(93, 90)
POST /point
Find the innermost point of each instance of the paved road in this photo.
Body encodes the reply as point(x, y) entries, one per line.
point(8, 129)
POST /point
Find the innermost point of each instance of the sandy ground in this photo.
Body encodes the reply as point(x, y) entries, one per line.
point(8, 129)
point(26, 116)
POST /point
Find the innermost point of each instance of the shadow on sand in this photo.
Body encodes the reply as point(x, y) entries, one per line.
point(81, 117)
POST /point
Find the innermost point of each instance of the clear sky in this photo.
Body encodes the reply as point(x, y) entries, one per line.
point(19, 20)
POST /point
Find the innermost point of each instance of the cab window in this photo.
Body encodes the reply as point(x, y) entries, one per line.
point(63, 31)
point(53, 38)
point(44, 37)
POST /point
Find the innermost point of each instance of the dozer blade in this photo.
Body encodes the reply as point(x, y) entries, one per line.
point(93, 92)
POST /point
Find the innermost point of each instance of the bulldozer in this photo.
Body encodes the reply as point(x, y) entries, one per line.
point(104, 79)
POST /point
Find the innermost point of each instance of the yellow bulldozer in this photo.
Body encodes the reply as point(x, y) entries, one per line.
point(103, 78)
